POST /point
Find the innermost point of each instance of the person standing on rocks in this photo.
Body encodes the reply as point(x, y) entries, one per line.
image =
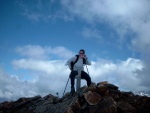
point(77, 63)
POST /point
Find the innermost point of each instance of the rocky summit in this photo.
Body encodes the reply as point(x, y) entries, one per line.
point(102, 97)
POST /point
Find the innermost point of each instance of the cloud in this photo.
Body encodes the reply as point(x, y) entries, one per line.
point(32, 51)
point(126, 22)
point(46, 67)
point(129, 20)
point(38, 52)
point(12, 88)
point(61, 52)
point(49, 70)
point(41, 11)
point(118, 73)
point(123, 16)
point(126, 17)
point(91, 33)
point(50, 76)
point(100, 70)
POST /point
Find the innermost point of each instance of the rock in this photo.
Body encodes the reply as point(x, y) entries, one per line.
point(115, 94)
point(127, 94)
point(103, 82)
point(111, 86)
point(101, 98)
point(107, 105)
point(125, 107)
point(93, 88)
point(92, 98)
point(84, 89)
point(102, 90)
point(69, 110)
point(75, 106)
point(50, 98)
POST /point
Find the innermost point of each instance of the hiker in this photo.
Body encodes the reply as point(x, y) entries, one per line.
point(77, 63)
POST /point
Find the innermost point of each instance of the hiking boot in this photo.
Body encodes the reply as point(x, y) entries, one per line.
point(72, 90)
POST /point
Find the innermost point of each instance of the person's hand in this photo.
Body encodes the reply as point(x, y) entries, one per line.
point(84, 56)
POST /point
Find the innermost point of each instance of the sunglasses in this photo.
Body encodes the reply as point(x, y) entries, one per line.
point(81, 53)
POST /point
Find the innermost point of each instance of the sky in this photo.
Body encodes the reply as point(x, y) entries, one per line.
point(37, 37)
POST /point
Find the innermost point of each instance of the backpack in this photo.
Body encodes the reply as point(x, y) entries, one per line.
point(72, 63)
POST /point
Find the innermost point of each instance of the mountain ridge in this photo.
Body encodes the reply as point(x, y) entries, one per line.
point(102, 97)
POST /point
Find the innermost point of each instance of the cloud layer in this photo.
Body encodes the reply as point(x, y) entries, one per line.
point(38, 52)
point(50, 76)
point(125, 16)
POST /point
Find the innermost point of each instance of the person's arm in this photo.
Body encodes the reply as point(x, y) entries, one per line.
point(87, 61)
point(69, 62)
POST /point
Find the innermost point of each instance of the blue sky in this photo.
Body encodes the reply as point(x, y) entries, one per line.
point(37, 38)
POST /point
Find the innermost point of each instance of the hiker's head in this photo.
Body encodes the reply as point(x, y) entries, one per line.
point(81, 52)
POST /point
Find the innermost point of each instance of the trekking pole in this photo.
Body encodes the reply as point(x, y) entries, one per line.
point(66, 86)
point(87, 70)
point(86, 67)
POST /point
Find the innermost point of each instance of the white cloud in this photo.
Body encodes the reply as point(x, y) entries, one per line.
point(61, 52)
point(38, 52)
point(52, 75)
point(46, 67)
point(11, 88)
point(91, 33)
point(40, 10)
point(118, 73)
point(32, 51)
point(125, 17)
point(49, 77)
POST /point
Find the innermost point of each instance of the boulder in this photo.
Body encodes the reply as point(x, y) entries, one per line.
point(92, 98)
point(107, 105)
point(93, 88)
point(125, 107)
point(103, 82)
point(102, 90)
point(111, 86)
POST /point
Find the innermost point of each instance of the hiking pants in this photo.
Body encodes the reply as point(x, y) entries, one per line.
point(84, 75)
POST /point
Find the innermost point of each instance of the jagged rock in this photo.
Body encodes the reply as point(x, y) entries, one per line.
point(69, 110)
point(103, 82)
point(115, 94)
point(141, 103)
point(75, 106)
point(101, 98)
point(127, 94)
point(50, 99)
point(111, 86)
point(93, 87)
point(102, 90)
point(84, 89)
point(19, 105)
point(124, 107)
point(107, 105)
point(92, 97)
